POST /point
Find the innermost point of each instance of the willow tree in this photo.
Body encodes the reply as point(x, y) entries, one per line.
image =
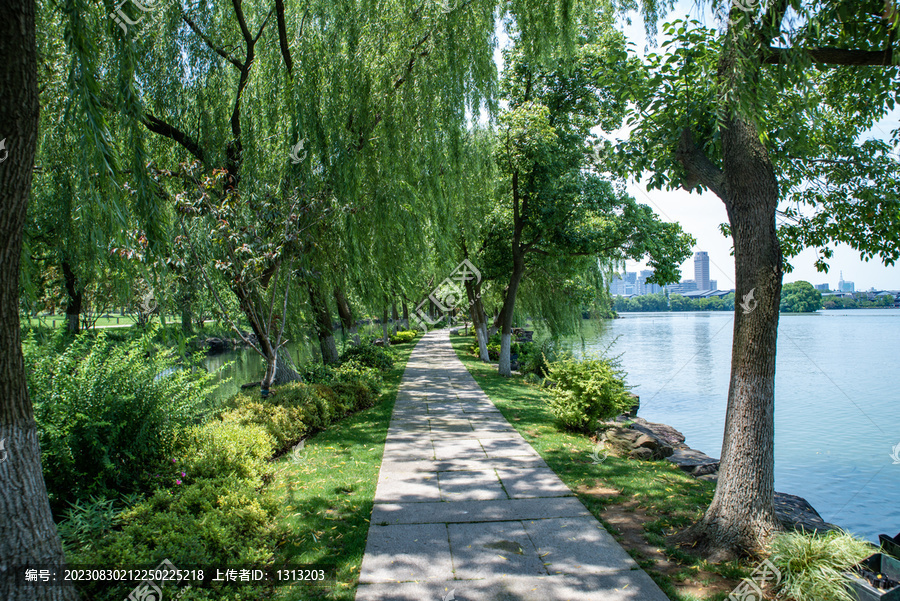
point(554, 205)
point(770, 116)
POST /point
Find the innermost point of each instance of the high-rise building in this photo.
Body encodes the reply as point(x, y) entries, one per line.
point(714, 284)
point(822, 287)
point(701, 270)
point(845, 286)
point(643, 287)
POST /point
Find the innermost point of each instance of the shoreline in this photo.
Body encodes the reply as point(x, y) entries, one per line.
point(642, 439)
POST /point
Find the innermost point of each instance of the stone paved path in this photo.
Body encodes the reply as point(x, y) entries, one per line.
point(466, 510)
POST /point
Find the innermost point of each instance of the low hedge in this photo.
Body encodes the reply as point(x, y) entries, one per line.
point(212, 506)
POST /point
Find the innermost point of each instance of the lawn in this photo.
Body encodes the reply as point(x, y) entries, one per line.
point(328, 492)
point(640, 502)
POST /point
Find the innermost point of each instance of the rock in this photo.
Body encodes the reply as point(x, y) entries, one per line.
point(626, 441)
point(216, 345)
point(694, 462)
point(642, 453)
point(795, 513)
point(667, 434)
point(637, 405)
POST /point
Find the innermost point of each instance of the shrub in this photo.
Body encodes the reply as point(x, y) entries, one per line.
point(108, 413)
point(355, 371)
point(586, 391)
point(223, 449)
point(284, 424)
point(316, 373)
point(210, 522)
point(536, 358)
point(403, 336)
point(811, 564)
point(370, 356)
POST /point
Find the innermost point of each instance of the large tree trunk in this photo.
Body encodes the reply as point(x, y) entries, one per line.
point(741, 517)
point(323, 324)
point(346, 315)
point(27, 532)
point(75, 298)
point(479, 319)
point(386, 340)
point(285, 369)
point(405, 306)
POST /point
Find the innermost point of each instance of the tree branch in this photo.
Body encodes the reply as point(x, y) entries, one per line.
point(282, 36)
point(698, 165)
point(217, 49)
point(831, 56)
point(158, 126)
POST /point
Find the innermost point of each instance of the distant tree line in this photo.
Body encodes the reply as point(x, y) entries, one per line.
point(674, 302)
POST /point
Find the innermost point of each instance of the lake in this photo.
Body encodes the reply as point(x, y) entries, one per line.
point(837, 399)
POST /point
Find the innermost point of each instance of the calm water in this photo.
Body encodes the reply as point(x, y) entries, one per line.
point(837, 400)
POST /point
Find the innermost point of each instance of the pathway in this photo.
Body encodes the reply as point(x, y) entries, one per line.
point(466, 510)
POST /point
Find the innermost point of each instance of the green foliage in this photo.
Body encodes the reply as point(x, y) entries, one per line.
point(675, 302)
point(222, 449)
point(586, 391)
point(370, 356)
point(403, 336)
point(800, 297)
point(209, 522)
point(538, 358)
point(811, 564)
point(109, 414)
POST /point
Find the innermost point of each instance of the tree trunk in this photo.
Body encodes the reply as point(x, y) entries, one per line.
point(479, 319)
point(323, 324)
point(741, 517)
point(395, 316)
point(506, 316)
point(75, 299)
point(518, 272)
point(285, 369)
point(27, 533)
point(405, 307)
point(386, 340)
point(346, 315)
point(186, 300)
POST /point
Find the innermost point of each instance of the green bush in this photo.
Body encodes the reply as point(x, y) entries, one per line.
point(353, 370)
point(811, 564)
point(370, 355)
point(108, 414)
point(535, 359)
point(210, 522)
point(586, 391)
point(403, 336)
point(224, 449)
point(316, 373)
point(284, 424)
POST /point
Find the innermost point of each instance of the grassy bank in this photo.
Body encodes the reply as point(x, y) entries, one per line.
point(640, 502)
point(327, 493)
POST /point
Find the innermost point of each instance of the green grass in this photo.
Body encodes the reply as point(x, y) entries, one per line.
point(328, 495)
point(661, 489)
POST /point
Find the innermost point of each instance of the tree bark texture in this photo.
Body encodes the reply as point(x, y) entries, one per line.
point(323, 324)
point(346, 315)
point(741, 517)
point(27, 532)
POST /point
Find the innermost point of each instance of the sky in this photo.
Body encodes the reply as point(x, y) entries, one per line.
point(701, 214)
